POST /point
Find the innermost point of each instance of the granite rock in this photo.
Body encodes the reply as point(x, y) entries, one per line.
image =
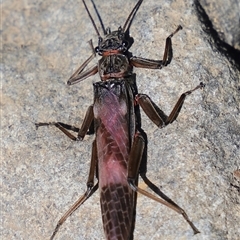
point(195, 160)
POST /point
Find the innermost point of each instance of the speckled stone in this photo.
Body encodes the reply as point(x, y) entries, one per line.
point(194, 160)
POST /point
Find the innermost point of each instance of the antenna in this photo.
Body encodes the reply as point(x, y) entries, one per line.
point(131, 16)
point(94, 25)
point(99, 18)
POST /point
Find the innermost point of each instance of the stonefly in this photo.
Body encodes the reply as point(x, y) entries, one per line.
point(119, 149)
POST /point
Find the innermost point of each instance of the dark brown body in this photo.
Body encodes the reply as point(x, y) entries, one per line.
point(112, 107)
point(119, 149)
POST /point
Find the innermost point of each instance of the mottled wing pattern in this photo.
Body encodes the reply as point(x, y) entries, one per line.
point(113, 144)
point(117, 211)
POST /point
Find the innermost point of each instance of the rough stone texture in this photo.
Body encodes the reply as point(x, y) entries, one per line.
point(221, 20)
point(225, 17)
point(195, 160)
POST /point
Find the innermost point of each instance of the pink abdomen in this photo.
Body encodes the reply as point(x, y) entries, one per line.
point(112, 136)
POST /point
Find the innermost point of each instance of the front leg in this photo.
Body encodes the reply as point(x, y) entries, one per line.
point(157, 115)
point(87, 122)
point(157, 64)
point(80, 74)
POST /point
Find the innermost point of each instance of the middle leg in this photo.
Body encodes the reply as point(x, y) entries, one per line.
point(156, 115)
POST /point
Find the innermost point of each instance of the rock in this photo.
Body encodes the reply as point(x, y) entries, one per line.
point(195, 160)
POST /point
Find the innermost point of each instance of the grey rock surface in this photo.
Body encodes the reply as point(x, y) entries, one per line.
point(221, 21)
point(225, 17)
point(195, 160)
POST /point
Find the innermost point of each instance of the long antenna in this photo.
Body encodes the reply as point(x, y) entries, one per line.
point(99, 17)
point(94, 25)
point(131, 16)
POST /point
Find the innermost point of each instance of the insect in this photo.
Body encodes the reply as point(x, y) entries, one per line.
point(119, 149)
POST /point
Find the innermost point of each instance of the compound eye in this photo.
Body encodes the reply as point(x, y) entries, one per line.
point(125, 44)
point(96, 49)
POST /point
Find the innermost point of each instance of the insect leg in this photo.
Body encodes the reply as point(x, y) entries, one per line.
point(91, 188)
point(177, 108)
point(157, 64)
point(157, 115)
point(79, 74)
point(65, 127)
point(168, 53)
point(135, 158)
point(170, 203)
